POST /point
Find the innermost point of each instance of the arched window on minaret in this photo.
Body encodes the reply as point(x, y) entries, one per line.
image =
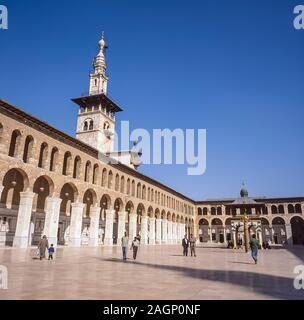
point(91, 125)
point(85, 126)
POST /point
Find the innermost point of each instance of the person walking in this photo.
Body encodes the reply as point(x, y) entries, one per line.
point(185, 244)
point(124, 246)
point(51, 252)
point(192, 242)
point(43, 245)
point(134, 247)
point(254, 245)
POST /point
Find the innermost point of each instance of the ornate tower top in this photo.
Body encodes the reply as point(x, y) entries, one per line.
point(99, 78)
point(100, 61)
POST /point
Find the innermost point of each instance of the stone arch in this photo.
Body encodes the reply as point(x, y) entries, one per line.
point(143, 195)
point(150, 212)
point(297, 229)
point(169, 216)
point(199, 211)
point(117, 182)
point(298, 208)
point(138, 190)
point(274, 209)
point(216, 222)
point(128, 186)
point(89, 199)
point(95, 173)
point(77, 166)
point(105, 204)
point(291, 208)
point(28, 149)
point(68, 194)
point(43, 154)
point(110, 179)
point(15, 143)
point(203, 222)
point(173, 217)
point(129, 207)
point(54, 159)
point(14, 182)
point(133, 188)
point(279, 230)
point(122, 184)
point(87, 172)
point(228, 222)
point(104, 177)
point(163, 214)
point(43, 188)
point(157, 213)
point(278, 221)
point(118, 205)
point(67, 161)
point(281, 209)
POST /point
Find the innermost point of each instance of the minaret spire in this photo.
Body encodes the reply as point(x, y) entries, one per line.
point(99, 78)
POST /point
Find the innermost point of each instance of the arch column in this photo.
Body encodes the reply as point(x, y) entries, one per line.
point(260, 238)
point(52, 219)
point(94, 226)
point(234, 239)
point(158, 231)
point(225, 235)
point(144, 230)
point(169, 224)
point(21, 239)
point(164, 231)
point(132, 226)
point(76, 224)
point(108, 239)
point(121, 226)
point(152, 231)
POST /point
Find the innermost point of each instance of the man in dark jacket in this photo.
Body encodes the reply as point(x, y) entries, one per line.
point(185, 244)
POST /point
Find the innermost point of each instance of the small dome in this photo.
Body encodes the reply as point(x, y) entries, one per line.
point(244, 193)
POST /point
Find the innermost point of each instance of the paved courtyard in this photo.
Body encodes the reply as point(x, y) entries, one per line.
point(160, 272)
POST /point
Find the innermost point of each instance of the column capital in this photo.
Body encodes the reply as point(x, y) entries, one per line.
point(27, 194)
point(54, 199)
point(78, 204)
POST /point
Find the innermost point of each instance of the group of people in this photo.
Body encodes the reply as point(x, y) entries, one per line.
point(186, 243)
point(43, 246)
point(134, 246)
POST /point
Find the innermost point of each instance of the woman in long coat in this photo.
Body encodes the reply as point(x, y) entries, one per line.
point(43, 246)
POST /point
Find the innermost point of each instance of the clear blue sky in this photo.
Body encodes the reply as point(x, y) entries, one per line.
point(232, 67)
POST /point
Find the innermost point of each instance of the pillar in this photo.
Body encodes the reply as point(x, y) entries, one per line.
point(260, 238)
point(169, 224)
point(289, 234)
point(164, 231)
point(21, 238)
point(52, 212)
point(132, 226)
point(76, 224)
point(210, 236)
point(94, 226)
point(225, 235)
point(174, 233)
point(158, 231)
point(144, 230)
point(1, 189)
point(234, 239)
point(108, 239)
point(152, 231)
point(121, 226)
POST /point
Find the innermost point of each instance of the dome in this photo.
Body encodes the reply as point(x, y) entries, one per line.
point(244, 192)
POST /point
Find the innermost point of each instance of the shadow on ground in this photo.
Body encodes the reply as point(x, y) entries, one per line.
point(276, 287)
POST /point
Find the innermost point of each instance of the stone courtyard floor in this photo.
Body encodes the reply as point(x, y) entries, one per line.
point(160, 272)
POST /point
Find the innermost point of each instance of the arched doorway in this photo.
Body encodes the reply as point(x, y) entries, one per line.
point(118, 205)
point(217, 231)
point(279, 231)
point(203, 230)
point(14, 182)
point(297, 228)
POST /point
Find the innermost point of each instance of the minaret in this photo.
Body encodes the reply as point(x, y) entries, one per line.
point(96, 117)
point(98, 78)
